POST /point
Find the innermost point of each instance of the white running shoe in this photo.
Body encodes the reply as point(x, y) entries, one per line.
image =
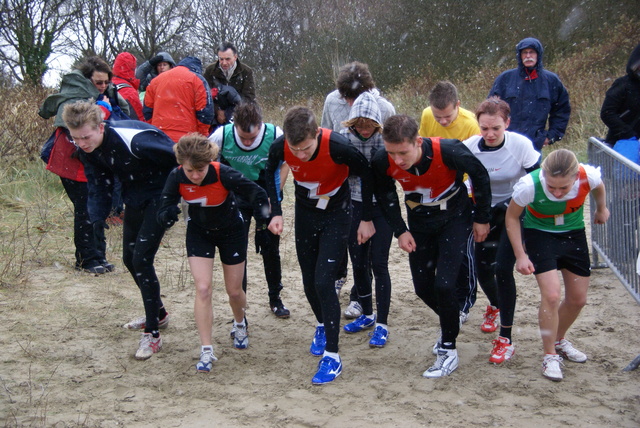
point(437, 345)
point(446, 363)
point(354, 310)
point(241, 336)
point(565, 349)
point(149, 345)
point(551, 367)
point(141, 322)
point(339, 284)
point(206, 360)
point(464, 317)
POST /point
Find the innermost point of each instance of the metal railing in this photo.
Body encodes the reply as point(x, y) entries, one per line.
point(618, 241)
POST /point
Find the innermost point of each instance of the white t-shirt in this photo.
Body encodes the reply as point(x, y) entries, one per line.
point(505, 165)
point(524, 191)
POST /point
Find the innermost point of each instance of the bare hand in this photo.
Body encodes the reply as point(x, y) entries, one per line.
point(406, 242)
point(524, 266)
point(365, 231)
point(480, 231)
point(276, 225)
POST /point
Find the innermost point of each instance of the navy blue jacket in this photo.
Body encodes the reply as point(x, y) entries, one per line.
point(534, 101)
point(138, 154)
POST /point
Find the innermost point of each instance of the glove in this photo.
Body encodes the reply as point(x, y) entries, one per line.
point(168, 217)
point(263, 240)
point(156, 60)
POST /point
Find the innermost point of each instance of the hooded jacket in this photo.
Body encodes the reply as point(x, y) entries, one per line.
point(179, 101)
point(147, 72)
point(124, 79)
point(621, 106)
point(241, 79)
point(365, 106)
point(533, 101)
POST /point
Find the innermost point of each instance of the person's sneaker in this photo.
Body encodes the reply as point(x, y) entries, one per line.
point(339, 284)
point(437, 345)
point(97, 270)
point(141, 322)
point(464, 317)
point(241, 336)
point(328, 370)
point(319, 341)
point(206, 361)
point(490, 323)
point(361, 323)
point(379, 337)
point(551, 367)
point(279, 309)
point(502, 350)
point(149, 345)
point(446, 362)
point(232, 334)
point(354, 310)
point(565, 349)
point(108, 267)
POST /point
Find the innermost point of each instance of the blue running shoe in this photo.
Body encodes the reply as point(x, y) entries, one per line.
point(241, 337)
point(379, 337)
point(361, 323)
point(319, 341)
point(206, 361)
point(328, 370)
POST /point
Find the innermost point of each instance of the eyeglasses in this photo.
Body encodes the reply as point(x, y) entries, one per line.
point(101, 82)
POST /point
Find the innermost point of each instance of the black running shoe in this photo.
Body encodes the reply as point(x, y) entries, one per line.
point(279, 310)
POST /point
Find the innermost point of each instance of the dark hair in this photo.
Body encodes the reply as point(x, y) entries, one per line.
point(227, 45)
point(196, 149)
point(354, 79)
point(494, 106)
point(247, 116)
point(299, 125)
point(443, 94)
point(92, 64)
point(399, 128)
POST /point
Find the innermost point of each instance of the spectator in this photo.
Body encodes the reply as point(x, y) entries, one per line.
point(150, 69)
point(179, 102)
point(228, 70)
point(536, 96)
point(127, 84)
point(621, 106)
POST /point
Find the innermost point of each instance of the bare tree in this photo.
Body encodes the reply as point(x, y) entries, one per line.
point(29, 32)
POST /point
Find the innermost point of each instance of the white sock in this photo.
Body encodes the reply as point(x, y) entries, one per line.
point(207, 348)
point(382, 325)
point(333, 355)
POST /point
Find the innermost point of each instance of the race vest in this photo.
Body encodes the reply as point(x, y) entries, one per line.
point(321, 176)
point(248, 162)
point(545, 214)
point(209, 195)
point(435, 182)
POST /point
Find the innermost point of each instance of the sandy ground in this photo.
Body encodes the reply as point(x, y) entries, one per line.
point(66, 360)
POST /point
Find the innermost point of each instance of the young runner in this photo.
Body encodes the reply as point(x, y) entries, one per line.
point(555, 240)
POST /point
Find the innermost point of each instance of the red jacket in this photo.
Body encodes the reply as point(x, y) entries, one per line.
point(178, 101)
point(124, 77)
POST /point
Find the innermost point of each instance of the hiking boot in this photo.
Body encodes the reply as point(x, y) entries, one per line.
point(490, 323)
point(149, 345)
point(339, 284)
point(379, 337)
point(551, 367)
point(361, 323)
point(502, 350)
point(565, 349)
point(241, 336)
point(328, 370)
point(141, 322)
point(206, 360)
point(279, 310)
point(446, 363)
point(319, 341)
point(354, 310)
